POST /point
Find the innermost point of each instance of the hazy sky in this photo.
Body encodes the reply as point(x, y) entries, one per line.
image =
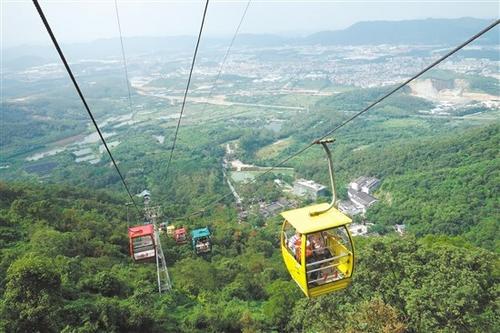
point(77, 21)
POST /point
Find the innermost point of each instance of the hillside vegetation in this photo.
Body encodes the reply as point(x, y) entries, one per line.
point(65, 268)
point(64, 253)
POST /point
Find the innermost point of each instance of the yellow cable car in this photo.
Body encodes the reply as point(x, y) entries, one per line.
point(317, 246)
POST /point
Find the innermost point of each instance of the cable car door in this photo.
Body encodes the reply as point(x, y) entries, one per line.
point(292, 249)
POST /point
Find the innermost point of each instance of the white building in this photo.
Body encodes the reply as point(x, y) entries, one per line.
point(82, 152)
point(349, 208)
point(308, 188)
point(361, 200)
point(400, 229)
point(364, 184)
point(359, 195)
point(359, 229)
point(145, 195)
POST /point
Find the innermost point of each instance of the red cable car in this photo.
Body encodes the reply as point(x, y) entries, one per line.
point(142, 242)
point(180, 236)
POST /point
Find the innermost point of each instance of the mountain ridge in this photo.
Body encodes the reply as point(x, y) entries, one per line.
point(419, 32)
point(424, 31)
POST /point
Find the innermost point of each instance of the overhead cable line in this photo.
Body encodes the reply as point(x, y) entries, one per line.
point(123, 56)
point(187, 89)
point(72, 77)
point(236, 32)
point(391, 92)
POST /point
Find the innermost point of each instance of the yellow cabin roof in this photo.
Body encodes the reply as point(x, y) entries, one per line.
point(305, 223)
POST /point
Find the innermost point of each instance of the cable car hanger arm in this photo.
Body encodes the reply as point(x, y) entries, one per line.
point(325, 143)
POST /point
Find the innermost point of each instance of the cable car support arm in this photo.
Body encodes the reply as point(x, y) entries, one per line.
point(325, 143)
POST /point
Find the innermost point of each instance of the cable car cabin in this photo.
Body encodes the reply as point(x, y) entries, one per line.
point(317, 249)
point(180, 236)
point(163, 227)
point(142, 242)
point(170, 230)
point(201, 240)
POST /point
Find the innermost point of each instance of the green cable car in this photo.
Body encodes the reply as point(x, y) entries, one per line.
point(201, 240)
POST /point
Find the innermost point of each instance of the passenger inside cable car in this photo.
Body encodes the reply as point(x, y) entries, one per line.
point(331, 251)
point(180, 236)
point(294, 244)
point(142, 245)
point(202, 245)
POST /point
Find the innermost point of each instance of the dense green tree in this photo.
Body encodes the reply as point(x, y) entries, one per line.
point(282, 296)
point(375, 316)
point(32, 300)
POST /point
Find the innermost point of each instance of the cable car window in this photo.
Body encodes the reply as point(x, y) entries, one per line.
point(143, 247)
point(203, 244)
point(142, 241)
point(291, 241)
point(331, 252)
point(341, 235)
point(145, 253)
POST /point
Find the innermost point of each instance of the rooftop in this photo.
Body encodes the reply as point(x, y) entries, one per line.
point(144, 193)
point(304, 223)
point(364, 181)
point(310, 183)
point(363, 198)
point(140, 230)
point(202, 232)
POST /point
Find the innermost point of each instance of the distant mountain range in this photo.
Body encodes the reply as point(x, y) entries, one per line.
point(427, 31)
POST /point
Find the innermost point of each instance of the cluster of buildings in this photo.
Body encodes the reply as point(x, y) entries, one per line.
point(481, 66)
point(361, 66)
point(358, 192)
point(276, 207)
point(359, 195)
point(359, 201)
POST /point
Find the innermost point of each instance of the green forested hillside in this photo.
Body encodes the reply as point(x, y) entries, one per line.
point(64, 267)
point(447, 186)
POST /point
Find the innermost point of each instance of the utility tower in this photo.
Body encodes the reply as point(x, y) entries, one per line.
point(151, 215)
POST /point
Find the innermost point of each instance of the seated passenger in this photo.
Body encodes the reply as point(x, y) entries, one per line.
point(319, 250)
point(203, 244)
point(295, 243)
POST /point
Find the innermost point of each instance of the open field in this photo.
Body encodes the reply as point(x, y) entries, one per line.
point(273, 149)
point(245, 176)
